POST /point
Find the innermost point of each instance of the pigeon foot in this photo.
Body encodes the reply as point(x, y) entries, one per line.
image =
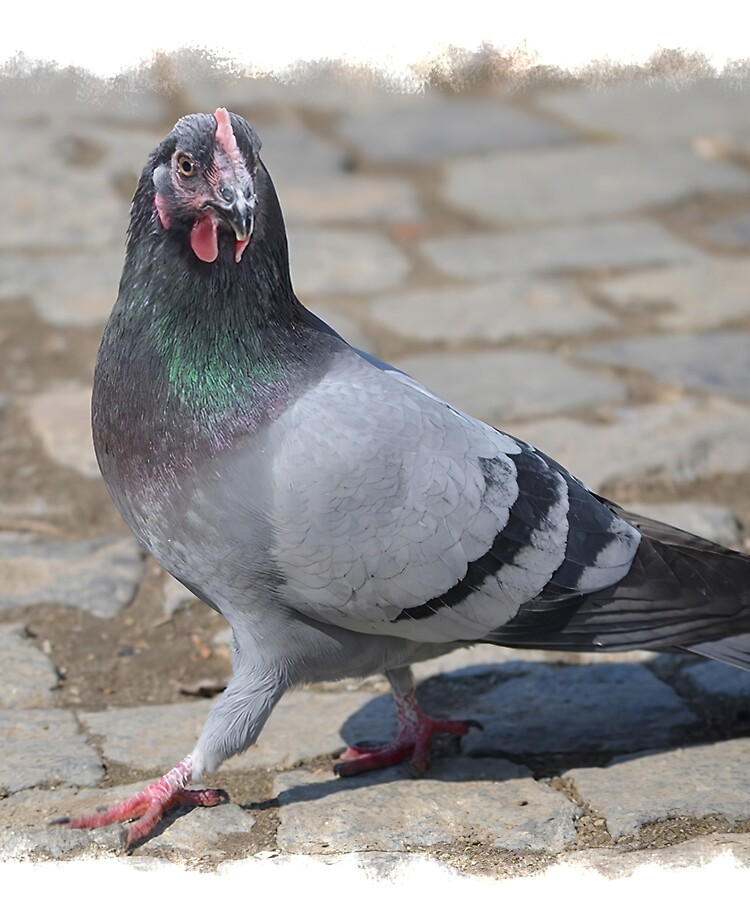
point(150, 805)
point(415, 733)
point(413, 743)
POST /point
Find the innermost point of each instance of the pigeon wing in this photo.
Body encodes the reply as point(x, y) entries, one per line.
point(394, 513)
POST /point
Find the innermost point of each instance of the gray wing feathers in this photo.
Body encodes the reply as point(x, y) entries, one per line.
point(394, 513)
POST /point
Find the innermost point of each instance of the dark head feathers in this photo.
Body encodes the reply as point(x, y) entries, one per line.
point(197, 133)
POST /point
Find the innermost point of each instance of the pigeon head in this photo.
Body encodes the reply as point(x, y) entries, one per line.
point(204, 178)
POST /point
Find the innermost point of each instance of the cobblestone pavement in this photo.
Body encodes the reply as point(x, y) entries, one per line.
point(567, 262)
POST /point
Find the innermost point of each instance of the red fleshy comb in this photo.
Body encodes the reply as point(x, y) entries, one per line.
point(225, 135)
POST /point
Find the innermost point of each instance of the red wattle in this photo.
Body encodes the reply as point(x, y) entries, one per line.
point(204, 238)
point(239, 247)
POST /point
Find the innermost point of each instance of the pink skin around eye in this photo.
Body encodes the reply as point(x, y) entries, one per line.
point(161, 210)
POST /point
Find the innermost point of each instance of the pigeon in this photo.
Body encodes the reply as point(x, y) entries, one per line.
point(343, 518)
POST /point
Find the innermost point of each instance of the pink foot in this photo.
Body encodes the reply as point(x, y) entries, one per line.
point(413, 741)
point(150, 805)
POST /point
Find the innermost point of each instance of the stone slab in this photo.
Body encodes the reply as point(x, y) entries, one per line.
point(312, 86)
point(305, 724)
point(44, 747)
point(716, 681)
point(504, 385)
point(293, 154)
point(718, 362)
point(344, 262)
point(434, 128)
point(202, 830)
point(27, 676)
point(100, 576)
point(712, 522)
point(592, 181)
point(57, 206)
point(691, 855)
point(75, 289)
point(348, 198)
point(654, 110)
point(42, 91)
point(610, 244)
point(691, 782)
point(687, 440)
point(732, 233)
point(495, 312)
point(705, 293)
point(595, 708)
point(61, 420)
point(346, 326)
point(492, 801)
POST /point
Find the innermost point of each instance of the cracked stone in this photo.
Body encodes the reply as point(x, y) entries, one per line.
point(705, 293)
point(570, 183)
point(715, 361)
point(44, 747)
point(28, 676)
point(494, 312)
point(344, 262)
point(492, 800)
point(304, 725)
point(688, 439)
point(499, 386)
point(101, 576)
point(613, 244)
point(201, 830)
point(76, 289)
point(694, 782)
point(61, 419)
point(712, 522)
point(360, 199)
point(434, 128)
point(568, 709)
point(654, 111)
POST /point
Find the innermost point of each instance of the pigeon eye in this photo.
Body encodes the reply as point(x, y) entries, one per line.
point(186, 166)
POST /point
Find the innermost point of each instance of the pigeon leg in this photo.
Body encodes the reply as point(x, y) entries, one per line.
point(414, 735)
point(151, 804)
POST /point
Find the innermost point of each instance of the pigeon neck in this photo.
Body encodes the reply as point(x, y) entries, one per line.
point(214, 334)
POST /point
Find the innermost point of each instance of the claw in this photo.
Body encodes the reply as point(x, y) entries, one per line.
point(150, 805)
point(413, 741)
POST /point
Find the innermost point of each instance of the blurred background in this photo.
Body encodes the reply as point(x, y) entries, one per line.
point(568, 259)
point(555, 256)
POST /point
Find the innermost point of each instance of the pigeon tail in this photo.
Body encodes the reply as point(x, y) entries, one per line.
point(682, 593)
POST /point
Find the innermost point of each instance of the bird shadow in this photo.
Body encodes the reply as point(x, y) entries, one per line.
point(543, 719)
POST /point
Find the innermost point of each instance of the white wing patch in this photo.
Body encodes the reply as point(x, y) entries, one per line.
point(613, 561)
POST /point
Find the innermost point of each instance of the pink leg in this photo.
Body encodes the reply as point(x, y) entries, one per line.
point(151, 804)
point(414, 734)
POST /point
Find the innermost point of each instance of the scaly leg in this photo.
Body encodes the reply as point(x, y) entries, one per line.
point(414, 735)
point(151, 804)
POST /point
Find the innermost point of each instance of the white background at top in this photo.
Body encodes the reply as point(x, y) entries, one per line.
point(390, 34)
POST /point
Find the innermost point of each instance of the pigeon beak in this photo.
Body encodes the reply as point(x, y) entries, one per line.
point(236, 210)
